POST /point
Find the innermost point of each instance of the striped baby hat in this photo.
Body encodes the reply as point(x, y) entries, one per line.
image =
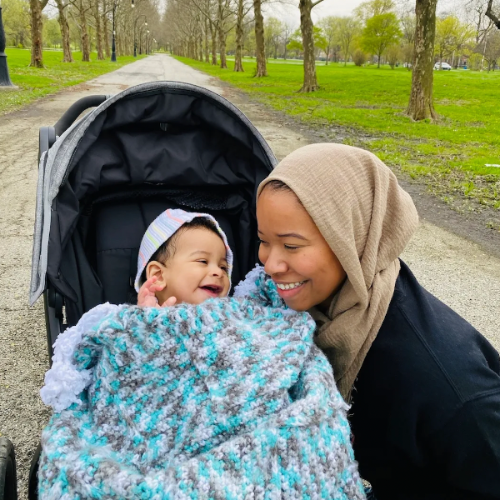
point(162, 228)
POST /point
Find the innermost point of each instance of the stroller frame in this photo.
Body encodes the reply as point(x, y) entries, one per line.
point(65, 137)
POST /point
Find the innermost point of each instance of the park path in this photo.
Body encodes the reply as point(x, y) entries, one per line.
point(457, 271)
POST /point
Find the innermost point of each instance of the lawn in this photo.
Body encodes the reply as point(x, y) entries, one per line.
point(34, 83)
point(366, 105)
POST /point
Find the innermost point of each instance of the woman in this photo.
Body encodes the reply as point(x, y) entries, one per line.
point(424, 385)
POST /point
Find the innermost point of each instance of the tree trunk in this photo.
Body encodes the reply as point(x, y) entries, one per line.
point(105, 30)
point(222, 35)
point(63, 23)
point(238, 64)
point(306, 27)
point(222, 48)
point(421, 105)
point(260, 48)
point(84, 34)
point(207, 52)
point(36, 34)
point(214, 43)
point(98, 31)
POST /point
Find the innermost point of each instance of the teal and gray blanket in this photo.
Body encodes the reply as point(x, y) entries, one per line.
point(229, 399)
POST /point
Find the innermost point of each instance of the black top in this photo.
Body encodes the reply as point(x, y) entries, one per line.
point(425, 414)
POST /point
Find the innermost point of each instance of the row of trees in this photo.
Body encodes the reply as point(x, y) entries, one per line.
point(207, 29)
point(86, 24)
point(411, 33)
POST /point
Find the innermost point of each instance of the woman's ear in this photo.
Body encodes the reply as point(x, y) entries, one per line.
point(157, 269)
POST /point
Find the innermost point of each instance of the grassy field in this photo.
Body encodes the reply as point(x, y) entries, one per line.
point(365, 106)
point(34, 83)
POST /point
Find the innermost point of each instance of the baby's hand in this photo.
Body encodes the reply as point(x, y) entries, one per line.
point(147, 298)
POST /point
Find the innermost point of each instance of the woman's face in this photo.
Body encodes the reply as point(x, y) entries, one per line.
point(294, 253)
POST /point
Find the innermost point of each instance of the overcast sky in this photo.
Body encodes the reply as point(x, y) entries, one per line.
point(290, 12)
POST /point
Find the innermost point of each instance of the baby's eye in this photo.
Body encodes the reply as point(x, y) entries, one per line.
point(225, 269)
point(202, 261)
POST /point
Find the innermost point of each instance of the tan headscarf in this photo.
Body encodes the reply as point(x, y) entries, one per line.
point(367, 220)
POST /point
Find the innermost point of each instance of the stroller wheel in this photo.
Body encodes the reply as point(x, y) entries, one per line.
point(8, 477)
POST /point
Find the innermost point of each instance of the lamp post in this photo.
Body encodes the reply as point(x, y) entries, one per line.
point(135, 27)
point(140, 40)
point(4, 70)
point(147, 42)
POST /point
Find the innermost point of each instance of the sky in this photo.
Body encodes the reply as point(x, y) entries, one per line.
point(290, 12)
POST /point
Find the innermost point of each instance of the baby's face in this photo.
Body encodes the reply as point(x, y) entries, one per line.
point(198, 269)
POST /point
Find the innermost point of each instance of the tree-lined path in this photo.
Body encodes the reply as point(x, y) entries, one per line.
point(456, 270)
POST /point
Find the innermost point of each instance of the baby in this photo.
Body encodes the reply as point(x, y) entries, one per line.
point(183, 257)
point(224, 398)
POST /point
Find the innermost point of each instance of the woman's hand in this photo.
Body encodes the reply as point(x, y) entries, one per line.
point(147, 294)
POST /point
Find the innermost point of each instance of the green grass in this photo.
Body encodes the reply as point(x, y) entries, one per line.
point(368, 104)
point(34, 83)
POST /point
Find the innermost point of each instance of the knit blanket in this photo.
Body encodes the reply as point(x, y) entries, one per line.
point(229, 399)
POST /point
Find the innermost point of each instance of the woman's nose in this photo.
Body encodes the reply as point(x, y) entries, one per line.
point(274, 264)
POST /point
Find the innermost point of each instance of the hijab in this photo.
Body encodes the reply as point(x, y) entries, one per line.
point(367, 219)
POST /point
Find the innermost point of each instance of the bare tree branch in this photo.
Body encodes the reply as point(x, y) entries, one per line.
point(489, 13)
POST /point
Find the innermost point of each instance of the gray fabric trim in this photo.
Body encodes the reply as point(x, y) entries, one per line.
point(59, 156)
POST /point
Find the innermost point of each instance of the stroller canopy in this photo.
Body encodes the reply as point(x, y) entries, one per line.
point(152, 147)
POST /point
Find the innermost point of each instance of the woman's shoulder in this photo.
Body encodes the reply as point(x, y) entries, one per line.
point(431, 344)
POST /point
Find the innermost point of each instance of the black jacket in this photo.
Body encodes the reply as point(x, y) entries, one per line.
point(425, 413)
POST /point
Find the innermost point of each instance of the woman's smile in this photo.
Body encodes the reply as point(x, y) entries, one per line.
point(289, 290)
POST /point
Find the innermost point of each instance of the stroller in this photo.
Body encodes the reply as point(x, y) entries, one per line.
point(105, 178)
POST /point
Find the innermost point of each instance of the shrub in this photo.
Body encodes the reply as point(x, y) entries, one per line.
point(393, 54)
point(359, 57)
point(475, 62)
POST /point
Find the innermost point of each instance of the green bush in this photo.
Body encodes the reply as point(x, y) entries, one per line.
point(475, 62)
point(359, 57)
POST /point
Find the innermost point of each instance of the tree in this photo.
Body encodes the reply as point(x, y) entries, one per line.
point(380, 32)
point(421, 105)
point(329, 26)
point(52, 32)
point(393, 54)
point(82, 7)
point(238, 56)
point(306, 27)
point(296, 40)
point(348, 29)
point(16, 22)
point(273, 29)
point(95, 6)
point(490, 48)
point(451, 35)
point(286, 36)
point(491, 15)
point(64, 26)
point(260, 46)
point(36, 8)
point(367, 10)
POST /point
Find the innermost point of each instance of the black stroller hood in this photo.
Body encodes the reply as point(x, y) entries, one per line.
point(152, 147)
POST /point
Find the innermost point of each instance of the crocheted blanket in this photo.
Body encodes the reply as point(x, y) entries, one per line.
point(229, 399)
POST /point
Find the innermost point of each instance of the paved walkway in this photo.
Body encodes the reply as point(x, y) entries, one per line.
point(455, 270)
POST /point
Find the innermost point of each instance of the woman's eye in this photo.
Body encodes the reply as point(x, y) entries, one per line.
point(290, 247)
point(262, 242)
